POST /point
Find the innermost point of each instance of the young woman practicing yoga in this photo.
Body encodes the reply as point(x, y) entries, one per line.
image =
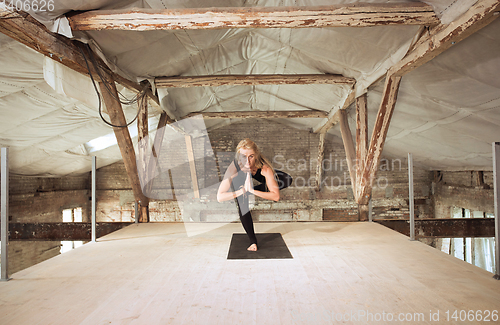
point(237, 183)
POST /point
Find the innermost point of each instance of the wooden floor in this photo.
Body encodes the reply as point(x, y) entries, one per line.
point(359, 273)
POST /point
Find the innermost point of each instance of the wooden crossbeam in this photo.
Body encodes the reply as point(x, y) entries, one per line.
point(260, 114)
point(28, 31)
point(444, 228)
point(61, 230)
point(251, 80)
point(355, 15)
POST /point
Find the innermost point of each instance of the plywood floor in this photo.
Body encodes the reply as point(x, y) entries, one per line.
point(359, 273)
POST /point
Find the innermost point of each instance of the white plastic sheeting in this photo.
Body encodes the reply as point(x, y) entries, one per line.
point(447, 112)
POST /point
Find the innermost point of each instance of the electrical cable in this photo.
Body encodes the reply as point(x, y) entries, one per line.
point(139, 97)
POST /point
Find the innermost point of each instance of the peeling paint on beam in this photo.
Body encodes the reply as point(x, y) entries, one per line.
point(357, 15)
point(249, 80)
point(260, 114)
point(443, 37)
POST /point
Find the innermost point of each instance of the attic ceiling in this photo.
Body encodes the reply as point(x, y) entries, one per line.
point(447, 112)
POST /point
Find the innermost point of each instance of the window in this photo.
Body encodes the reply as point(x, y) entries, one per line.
point(72, 215)
point(476, 251)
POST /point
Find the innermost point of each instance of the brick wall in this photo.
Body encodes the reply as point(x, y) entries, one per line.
point(39, 199)
point(459, 189)
point(291, 150)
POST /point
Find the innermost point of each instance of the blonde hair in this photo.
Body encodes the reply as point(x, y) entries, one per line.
point(260, 160)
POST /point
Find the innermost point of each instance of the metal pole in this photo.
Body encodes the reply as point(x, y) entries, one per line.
point(93, 199)
point(4, 206)
point(411, 198)
point(370, 219)
point(136, 212)
point(496, 183)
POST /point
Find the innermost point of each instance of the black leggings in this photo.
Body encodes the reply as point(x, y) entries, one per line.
point(246, 220)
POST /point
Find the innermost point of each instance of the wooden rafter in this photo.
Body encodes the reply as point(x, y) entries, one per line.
point(250, 80)
point(28, 31)
point(260, 114)
point(442, 37)
point(356, 15)
point(124, 140)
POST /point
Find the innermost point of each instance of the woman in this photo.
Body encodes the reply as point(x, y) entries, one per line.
point(237, 183)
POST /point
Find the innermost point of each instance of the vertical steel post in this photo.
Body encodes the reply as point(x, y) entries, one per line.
point(136, 212)
point(93, 198)
point(410, 196)
point(4, 206)
point(370, 218)
point(496, 183)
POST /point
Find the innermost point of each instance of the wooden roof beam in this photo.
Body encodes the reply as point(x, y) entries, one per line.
point(442, 37)
point(353, 15)
point(250, 80)
point(260, 114)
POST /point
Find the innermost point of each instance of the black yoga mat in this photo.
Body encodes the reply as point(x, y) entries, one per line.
point(270, 246)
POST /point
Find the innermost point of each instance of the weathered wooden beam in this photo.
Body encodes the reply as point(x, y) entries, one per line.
point(117, 118)
point(444, 228)
point(379, 134)
point(260, 114)
point(350, 153)
point(61, 230)
point(442, 37)
point(143, 146)
point(319, 166)
point(250, 80)
point(361, 136)
point(192, 166)
point(356, 15)
point(361, 152)
point(28, 31)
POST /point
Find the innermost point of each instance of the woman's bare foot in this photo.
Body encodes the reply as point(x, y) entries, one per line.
point(252, 248)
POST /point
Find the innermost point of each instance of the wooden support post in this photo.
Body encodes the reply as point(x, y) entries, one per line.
point(192, 166)
point(361, 151)
point(349, 147)
point(361, 138)
point(142, 138)
point(321, 154)
point(4, 217)
point(379, 135)
point(124, 140)
point(496, 183)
